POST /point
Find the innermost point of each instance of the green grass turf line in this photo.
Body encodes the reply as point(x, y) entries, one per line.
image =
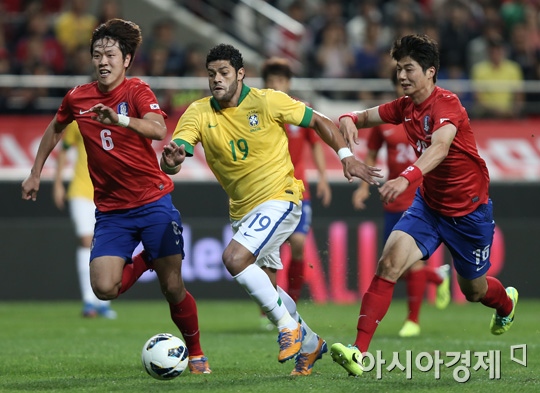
point(49, 347)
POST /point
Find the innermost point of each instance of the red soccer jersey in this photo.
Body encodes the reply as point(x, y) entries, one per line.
point(299, 137)
point(461, 181)
point(122, 164)
point(400, 155)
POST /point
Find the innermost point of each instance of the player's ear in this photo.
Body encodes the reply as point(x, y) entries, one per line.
point(431, 72)
point(240, 74)
point(127, 60)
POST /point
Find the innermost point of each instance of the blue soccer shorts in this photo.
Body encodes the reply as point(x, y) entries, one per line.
point(157, 225)
point(468, 238)
point(390, 220)
point(305, 220)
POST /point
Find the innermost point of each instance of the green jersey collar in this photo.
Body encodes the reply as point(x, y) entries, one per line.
point(245, 92)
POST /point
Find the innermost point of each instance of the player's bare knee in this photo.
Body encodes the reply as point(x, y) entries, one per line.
point(106, 290)
point(106, 293)
point(174, 293)
point(387, 269)
point(233, 262)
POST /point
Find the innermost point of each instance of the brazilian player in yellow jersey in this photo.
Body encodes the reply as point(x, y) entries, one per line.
point(246, 147)
point(80, 196)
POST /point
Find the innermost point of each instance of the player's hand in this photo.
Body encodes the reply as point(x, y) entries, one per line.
point(30, 187)
point(392, 189)
point(59, 195)
point(104, 114)
point(173, 155)
point(324, 193)
point(360, 195)
point(354, 168)
point(349, 132)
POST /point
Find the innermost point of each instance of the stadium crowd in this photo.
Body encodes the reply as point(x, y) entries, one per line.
point(479, 40)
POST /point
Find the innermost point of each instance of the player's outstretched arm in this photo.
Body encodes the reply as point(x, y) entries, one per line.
point(429, 160)
point(51, 137)
point(350, 122)
point(151, 126)
point(172, 158)
point(330, 134)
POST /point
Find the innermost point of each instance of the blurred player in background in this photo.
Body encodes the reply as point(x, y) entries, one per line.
point(80, 197)
point(400, 154)
point(118, 119)
point(277, 74)
point(245, 144)
point(452, 204)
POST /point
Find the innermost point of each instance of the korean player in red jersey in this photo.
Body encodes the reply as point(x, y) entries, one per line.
point(452, 205)
point(118, 119)
point(400, 154)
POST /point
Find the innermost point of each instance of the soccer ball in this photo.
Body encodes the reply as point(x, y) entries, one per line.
point(164, 356)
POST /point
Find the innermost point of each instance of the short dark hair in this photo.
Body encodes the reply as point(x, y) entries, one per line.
point(225, 52)
point(420, 48)
point(276, 66)
point(126, 33)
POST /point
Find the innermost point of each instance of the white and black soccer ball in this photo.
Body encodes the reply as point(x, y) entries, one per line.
point(165, 356)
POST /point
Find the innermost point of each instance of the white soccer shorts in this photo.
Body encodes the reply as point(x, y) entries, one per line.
point(264, 229)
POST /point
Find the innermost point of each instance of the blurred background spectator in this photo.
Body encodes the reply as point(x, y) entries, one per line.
point(161, 53)
point(38, 45)
point(109, 9)
point(74, 26)
point(498, 99)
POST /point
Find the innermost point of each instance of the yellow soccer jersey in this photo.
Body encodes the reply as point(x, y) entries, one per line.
point(80, 185)
point(246, 147)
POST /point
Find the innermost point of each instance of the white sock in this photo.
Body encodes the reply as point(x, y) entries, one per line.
point(83, 269)
point(311, 340)
point(257, 284)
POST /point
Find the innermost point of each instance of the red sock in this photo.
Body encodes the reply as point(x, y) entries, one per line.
point(296, 278)
point(185, 317)
point(497, 298)
point(432, 275)
point(374, 307)
point(134, 270)
point(416, 286)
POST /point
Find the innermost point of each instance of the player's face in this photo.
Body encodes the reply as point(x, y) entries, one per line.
point(278, 82)
point(224, 82)
point(109, 64)
point(412, 79)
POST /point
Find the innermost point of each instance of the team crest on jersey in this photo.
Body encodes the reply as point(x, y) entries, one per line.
point(122, 108)
point(426, 123)
point(253, 119)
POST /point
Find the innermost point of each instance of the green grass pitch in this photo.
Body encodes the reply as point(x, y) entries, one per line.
point(48, 347)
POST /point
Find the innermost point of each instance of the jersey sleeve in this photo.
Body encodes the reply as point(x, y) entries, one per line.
point(448, 109)
point(375, 138)
point(288, 110)
point(391, 112)
point(64, 115)
point(145, 100)
point(188, 129)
